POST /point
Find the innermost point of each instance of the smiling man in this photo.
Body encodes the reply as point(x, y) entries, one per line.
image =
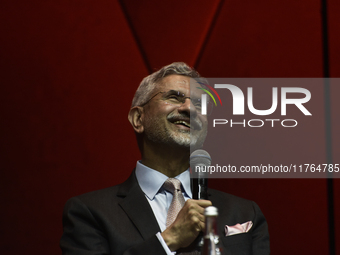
point(162, 124)
point(153, 211)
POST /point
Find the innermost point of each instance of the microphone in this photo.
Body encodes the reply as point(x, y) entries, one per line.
point(199, 161)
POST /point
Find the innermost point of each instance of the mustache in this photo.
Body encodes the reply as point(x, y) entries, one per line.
point(194, 123)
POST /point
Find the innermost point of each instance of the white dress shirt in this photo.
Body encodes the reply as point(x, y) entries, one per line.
point(151, 182)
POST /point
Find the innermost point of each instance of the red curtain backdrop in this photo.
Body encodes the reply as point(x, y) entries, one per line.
point(68, 73)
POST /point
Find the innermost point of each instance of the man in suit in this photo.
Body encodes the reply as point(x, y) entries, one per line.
point(137, 216)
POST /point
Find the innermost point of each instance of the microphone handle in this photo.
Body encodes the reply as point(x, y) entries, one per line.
point(199, 188)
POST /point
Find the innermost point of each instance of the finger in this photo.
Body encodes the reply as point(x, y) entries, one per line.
point(198, 224)
point(200, 209)
point(201, 203)
point(201, 215)
point(202, 226)
point(204, 203)
point(197, 205)
point(194, 208)
point(202, 218)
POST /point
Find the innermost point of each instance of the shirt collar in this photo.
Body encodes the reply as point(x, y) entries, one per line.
point(151, 180)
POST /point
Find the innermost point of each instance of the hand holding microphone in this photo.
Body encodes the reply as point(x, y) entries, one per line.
point(190, 220)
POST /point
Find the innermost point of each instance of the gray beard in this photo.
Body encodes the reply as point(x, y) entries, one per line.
point(181, 138)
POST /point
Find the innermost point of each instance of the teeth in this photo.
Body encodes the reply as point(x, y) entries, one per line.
point(182, 122)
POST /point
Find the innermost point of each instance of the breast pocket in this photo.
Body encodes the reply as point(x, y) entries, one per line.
point(237, 244)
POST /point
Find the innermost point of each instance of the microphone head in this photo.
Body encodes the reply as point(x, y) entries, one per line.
point(199, 159)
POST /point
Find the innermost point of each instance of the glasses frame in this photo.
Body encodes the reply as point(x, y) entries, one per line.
point(176, 92)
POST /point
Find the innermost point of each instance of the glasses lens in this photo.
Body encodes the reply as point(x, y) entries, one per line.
point(174, 97)
point(197, 102)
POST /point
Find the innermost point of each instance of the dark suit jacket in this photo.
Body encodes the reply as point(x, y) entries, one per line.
point(119, 220)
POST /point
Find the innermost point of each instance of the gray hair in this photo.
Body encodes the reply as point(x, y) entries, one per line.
point(148, 84)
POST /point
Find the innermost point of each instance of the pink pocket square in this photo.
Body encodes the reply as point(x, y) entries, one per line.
point(238, 228)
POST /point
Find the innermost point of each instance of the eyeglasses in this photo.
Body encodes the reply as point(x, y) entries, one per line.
point(177, 99)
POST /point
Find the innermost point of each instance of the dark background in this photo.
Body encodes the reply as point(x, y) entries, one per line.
point(68, 73)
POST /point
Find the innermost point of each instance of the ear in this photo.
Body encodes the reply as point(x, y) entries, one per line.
point(136, 117)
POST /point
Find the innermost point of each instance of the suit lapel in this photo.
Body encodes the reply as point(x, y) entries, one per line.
point(138, 208)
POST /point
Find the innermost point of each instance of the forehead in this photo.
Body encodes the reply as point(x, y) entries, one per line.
point(175, 82)
point(180, 83)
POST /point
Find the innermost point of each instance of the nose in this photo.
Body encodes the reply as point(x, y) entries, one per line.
point(188, 108)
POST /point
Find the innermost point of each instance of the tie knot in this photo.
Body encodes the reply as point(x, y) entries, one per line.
point(172, 184)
